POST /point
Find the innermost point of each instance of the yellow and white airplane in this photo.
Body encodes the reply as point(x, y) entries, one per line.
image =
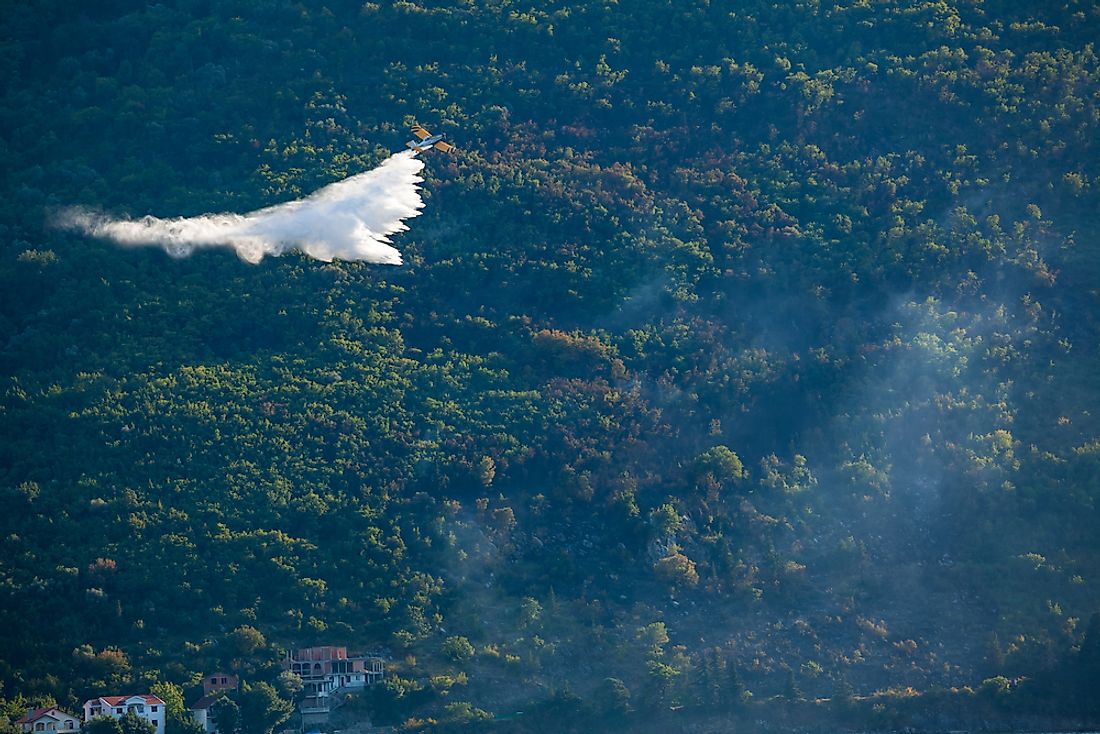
point(426, 141)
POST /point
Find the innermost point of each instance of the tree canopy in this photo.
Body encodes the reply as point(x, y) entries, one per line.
point(744, 349)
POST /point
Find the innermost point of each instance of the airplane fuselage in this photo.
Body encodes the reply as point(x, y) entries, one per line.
point(422, 145)
point(426, 141)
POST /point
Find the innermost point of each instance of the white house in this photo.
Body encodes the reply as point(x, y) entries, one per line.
point(48, 720)
point(145, 706)
point(200, 712)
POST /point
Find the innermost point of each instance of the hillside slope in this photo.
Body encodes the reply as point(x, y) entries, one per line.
point(751, 347)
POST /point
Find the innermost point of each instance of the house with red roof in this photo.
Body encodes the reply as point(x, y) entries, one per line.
point(48, 720)
point(145, 706)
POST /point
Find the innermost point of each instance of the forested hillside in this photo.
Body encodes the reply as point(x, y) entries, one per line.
point(743, 351)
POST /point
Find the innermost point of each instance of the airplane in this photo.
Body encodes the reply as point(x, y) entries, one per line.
point(427, 141)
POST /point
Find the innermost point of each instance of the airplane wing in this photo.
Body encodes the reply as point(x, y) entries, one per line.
point(420, 132)
point(445, 147)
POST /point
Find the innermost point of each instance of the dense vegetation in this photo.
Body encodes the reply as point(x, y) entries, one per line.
point(743, 352)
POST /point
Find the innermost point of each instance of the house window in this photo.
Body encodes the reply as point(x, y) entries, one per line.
point(225, 681)
point(68, 724)
point(118, 711)
point(154, 709)
point(40, 726)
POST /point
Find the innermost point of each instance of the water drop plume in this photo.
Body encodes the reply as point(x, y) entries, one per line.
point(350, 220)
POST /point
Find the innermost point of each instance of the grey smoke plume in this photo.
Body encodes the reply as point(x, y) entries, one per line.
point(350, 220)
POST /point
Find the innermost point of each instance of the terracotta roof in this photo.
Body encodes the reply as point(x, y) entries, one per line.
point(204, 703)
point(116, 700)
point(37, 714)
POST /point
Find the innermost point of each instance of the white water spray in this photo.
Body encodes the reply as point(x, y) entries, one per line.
point(350, 220)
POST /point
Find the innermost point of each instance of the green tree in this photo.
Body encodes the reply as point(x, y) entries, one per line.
point(457, 648)
point(995, 689)
point(612, 698)
point(722, 463)
point(261, 708)
point(530, 612)
point(736, 693)
point(677, 569)
point(245, 641)
point(653, 637)
point(666, 519)
point(178, 719)
point(706, 678)
point(290, 685)
point(463, 713)
point(131, 723)
point(226, 715)
point(659, 683)
point(486, 470)
point(102, 725)
point(172, 695)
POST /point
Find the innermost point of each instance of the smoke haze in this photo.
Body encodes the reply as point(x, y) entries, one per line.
point(350, 220)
